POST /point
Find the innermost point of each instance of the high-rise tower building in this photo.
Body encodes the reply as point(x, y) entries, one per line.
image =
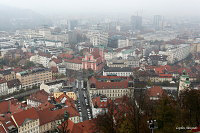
point(158, 22)
point(136, 22)
point(72, 24)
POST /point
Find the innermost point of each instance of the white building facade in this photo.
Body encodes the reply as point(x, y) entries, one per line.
point(176, 53)
point(40, 60)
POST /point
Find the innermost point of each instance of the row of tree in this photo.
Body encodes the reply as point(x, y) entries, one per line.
point(131, 115)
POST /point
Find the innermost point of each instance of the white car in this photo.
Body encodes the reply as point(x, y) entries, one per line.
point(89, 114)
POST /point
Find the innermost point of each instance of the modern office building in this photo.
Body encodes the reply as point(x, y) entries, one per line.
point(136, 22)
point(34, 77)
point(176, 53)
point(158, 22)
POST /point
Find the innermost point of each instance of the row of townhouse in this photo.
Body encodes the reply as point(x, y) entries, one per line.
point(10, 81)
point(42, 113)
point(34, 77)
point(36, 121)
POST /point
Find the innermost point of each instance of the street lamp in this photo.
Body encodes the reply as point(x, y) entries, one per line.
point(152, 125)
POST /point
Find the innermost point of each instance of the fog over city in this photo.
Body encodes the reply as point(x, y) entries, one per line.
point(99, 66)
point(163, 7)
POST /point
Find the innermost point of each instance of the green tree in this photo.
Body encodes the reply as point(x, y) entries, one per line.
point(106, 122)
point(166, 115)
point(190, 103)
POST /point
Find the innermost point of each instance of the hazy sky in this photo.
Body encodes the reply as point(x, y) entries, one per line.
point(163, 7)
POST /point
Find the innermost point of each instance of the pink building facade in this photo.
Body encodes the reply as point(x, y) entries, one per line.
point(94, 60)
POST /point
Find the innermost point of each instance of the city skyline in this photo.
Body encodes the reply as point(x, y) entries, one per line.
point(103, 7)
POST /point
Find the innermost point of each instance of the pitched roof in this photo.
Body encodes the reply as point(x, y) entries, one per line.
point(4, 107)
point(12, 105)
point(8, 125)
point(39, 96)
point(57, 61)
point(74, 60)
point(13, 83)
point(44, 116)
point(45, 54)
point(71, 127)
point(110, 82)
point(68, 101)
point(55, 114)
point(20, 117)
point(87, 126)
point(155, 91)
point(118, 69)
point(165, 75)
point(112, 85)
point(99, 103)
point(65, 55)
point(95, 54)
point(54, 69)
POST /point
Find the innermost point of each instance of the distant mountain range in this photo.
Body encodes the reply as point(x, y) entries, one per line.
point(13, 18)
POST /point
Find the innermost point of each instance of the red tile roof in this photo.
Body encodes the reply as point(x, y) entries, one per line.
point(45, 54)
point(180, 70)
point(20, 117)
point(106, 84)
point(100, 104)
point(57, 61)
point(69, 101)
point(112, 85)
point(75, 60)
point(45, 105)
point(15, 106)
point(165, 75)
point(71, 127)
point(39, 96)
point(7, 122)
point(54, 69)
point(95, 54)
point(65, 55)
point(44, 116)
point(197, 129)
point(2, 128)
point(4, 107)
point(55, 114)
point(155, 91)
point(87, 126)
